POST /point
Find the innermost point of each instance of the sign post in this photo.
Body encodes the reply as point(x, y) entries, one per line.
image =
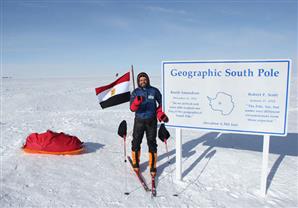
point(235, 96)
point(266, 140)
point(179, 154)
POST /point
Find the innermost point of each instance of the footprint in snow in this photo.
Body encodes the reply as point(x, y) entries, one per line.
point(209, 188)
point(234, 195)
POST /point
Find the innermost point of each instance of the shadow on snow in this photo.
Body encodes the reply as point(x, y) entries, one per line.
point(282, 146)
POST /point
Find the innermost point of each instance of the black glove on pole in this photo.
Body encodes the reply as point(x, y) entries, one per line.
point(163, 135)
point(122, 131)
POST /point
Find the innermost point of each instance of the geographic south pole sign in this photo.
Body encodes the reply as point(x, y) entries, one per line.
point(241, 96)
point(236, 96)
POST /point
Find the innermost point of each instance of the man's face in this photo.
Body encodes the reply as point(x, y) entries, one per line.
point(143, 81)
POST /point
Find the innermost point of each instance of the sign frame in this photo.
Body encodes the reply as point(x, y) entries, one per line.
point(285, 122)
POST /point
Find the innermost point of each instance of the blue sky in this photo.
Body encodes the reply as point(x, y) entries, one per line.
point(87, 38)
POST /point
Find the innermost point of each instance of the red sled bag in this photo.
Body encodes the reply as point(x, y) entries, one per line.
point(53, 143)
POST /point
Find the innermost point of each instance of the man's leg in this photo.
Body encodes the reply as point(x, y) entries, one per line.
point(138, 133)
point(151, 133)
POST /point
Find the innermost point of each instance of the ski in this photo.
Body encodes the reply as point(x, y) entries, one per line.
point(153, 189)
point(139, 175)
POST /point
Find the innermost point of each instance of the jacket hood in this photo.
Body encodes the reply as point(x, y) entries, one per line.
point(143, 74)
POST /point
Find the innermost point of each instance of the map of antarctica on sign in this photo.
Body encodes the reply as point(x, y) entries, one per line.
point(239, 96)
point(222, 102)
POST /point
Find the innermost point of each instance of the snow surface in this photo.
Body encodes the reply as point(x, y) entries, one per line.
point(219, 170)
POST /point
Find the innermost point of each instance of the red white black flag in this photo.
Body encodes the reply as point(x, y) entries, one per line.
point(114, 93)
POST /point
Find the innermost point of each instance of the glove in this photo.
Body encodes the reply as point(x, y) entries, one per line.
point(161, 116)
point(163, 133)
point(138, 100)
point(122, 129)
point(136, 103)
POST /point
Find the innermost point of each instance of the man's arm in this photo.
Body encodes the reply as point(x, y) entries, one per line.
point(135, 101)
point(161, 116)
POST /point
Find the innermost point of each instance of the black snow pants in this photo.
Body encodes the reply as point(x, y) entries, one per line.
point(150, 127)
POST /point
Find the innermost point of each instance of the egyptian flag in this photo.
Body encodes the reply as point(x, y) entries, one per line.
point(114, 93)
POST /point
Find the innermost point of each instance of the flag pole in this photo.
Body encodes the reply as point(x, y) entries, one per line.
point(133, 77)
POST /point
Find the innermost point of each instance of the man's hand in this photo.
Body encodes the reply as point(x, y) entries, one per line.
point(138, 100)
point(164, 118)
point(161, 116)
point(136, 103)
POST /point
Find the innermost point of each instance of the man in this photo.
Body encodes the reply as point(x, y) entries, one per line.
point(143, 102)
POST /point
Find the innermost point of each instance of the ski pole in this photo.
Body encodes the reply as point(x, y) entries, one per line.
point(124, 137)
point(122, 132)
point(125, 186)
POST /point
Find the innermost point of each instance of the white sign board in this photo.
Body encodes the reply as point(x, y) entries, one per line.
point(235, 96)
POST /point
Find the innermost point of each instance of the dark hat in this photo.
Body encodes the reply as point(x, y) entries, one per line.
point(143, 74)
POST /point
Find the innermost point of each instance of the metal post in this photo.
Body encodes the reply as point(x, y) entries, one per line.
point(124, 148)
point(133, 77)
point(178, 154)
point(264, 176)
